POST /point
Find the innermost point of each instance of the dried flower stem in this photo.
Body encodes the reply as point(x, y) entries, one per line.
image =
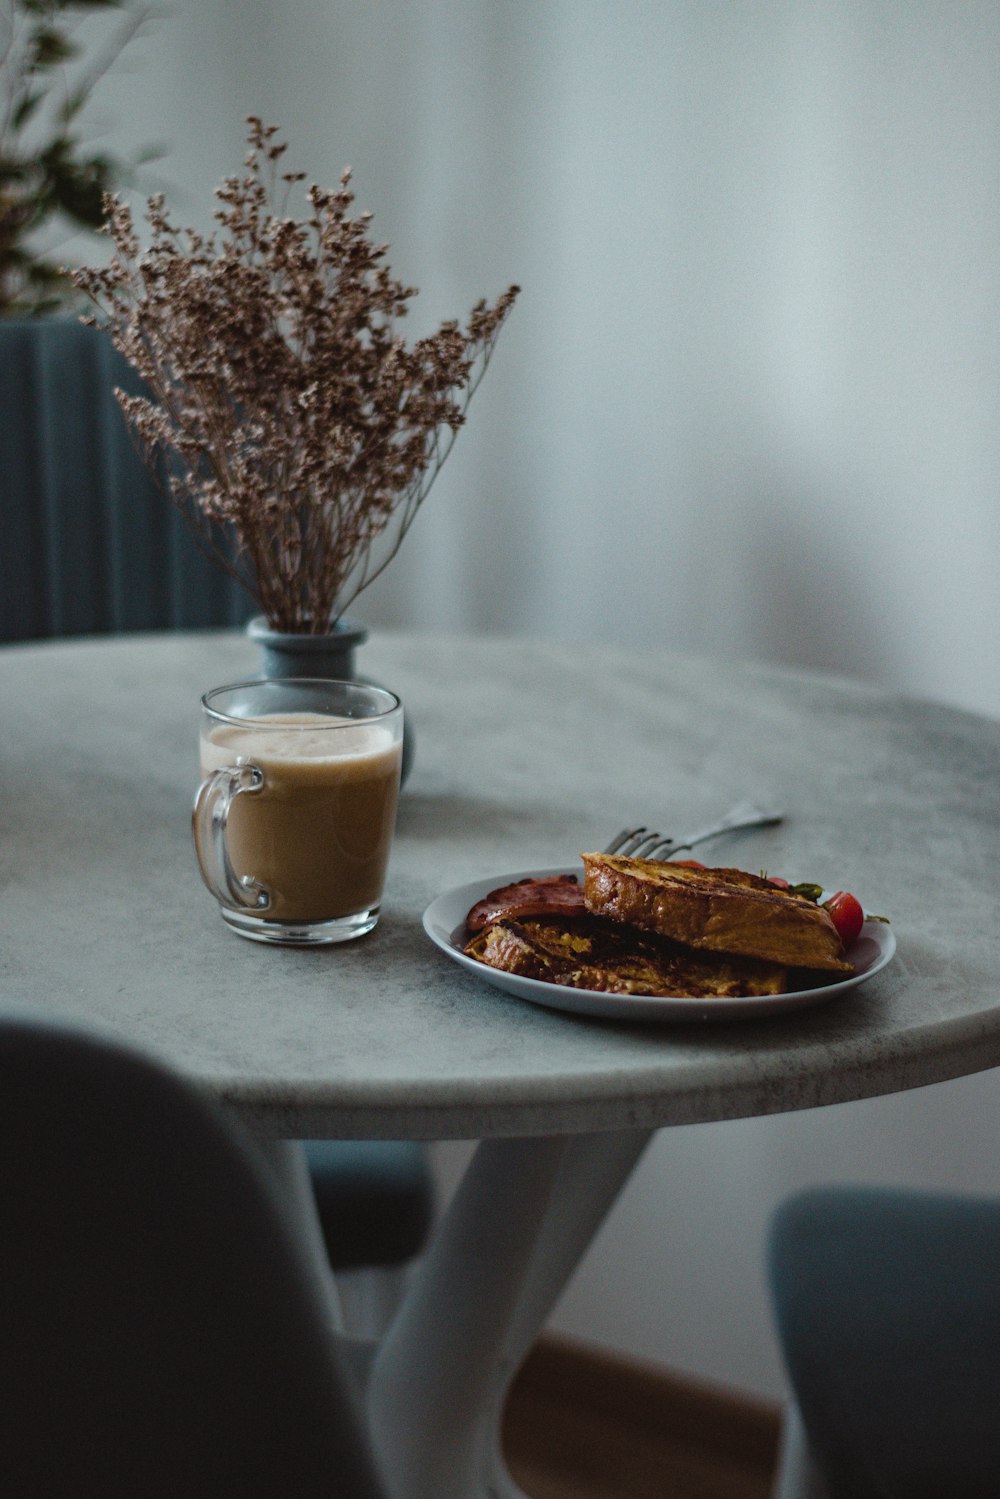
point(296, 423)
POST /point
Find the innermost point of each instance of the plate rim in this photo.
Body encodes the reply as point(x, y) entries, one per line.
point(600, 1003)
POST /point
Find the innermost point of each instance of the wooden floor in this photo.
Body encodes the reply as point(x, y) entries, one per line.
point(585, 1424)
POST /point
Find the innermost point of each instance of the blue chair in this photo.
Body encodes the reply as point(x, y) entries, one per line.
point(161, 1333)
point(887, 1305)
point(90, 545)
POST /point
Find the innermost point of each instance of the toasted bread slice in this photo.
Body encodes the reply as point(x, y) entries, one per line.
point(589, 953)
point(714, 910)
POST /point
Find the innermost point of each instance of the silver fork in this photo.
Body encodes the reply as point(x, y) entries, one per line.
point(641, 843)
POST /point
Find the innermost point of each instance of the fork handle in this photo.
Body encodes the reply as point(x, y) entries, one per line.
point(746, 815)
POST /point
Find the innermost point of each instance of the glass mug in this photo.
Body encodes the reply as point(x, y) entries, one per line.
point(294, 816)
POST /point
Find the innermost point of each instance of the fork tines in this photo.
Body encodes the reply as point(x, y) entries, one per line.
point(639, 843)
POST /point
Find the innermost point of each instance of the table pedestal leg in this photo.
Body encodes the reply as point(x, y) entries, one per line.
point(519, 1223)
point(287, 1161)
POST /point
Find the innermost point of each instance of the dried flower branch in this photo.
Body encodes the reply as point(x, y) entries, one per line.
point(296, 422)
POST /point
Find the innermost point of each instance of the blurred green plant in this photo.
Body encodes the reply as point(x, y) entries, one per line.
point(48, 172)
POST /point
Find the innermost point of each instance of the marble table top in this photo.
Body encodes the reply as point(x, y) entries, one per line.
point(526, 754)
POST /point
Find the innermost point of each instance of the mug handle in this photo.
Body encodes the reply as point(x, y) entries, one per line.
point(212, 802)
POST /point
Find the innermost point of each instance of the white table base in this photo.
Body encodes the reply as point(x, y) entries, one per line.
point(515, 1230)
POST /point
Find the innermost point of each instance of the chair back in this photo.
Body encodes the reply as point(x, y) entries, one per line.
point(887, 1306)
point(159, 1331)
point(89, 542)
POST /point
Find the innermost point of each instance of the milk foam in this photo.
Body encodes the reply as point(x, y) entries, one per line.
point(297, 738)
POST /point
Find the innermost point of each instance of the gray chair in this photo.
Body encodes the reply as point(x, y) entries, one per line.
point(90, 545)
point(887, 1305)
point(160, 1331)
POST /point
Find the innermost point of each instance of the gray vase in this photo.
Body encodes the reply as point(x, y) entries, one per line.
point(286, 654)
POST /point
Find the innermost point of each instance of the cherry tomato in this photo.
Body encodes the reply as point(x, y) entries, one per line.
point(687, 863)
point(846, 914)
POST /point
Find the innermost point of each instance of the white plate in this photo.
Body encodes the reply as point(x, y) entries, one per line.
point(444, 923)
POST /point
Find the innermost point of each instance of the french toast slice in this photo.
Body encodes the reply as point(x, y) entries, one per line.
point(714, 910)
point(591, 953)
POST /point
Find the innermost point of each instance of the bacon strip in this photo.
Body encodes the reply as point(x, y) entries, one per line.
point(550, 895)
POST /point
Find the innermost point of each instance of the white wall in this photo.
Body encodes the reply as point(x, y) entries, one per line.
point(747, 404)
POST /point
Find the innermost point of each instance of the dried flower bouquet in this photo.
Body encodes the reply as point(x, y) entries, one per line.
point(298, 428)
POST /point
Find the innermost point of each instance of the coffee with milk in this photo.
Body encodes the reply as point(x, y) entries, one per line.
point(317, 833)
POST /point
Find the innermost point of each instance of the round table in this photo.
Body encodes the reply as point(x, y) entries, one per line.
point(527, 753)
